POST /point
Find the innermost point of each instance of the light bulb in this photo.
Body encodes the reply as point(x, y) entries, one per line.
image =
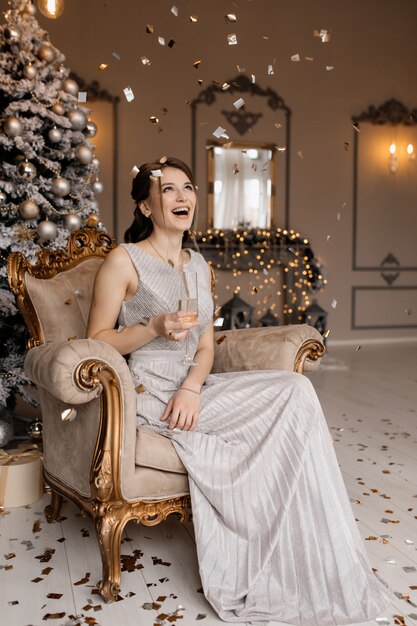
point(393, 148)
point(410, 149)
point(51, 8)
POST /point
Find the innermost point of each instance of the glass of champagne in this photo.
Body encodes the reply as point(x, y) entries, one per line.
point(188, 301)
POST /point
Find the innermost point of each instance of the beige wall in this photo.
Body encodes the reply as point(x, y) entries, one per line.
point(373, 51)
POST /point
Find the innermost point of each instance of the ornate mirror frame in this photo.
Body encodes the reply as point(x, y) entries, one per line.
point(243, 120)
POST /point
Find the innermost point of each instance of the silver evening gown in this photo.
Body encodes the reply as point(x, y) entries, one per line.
point(275, 533)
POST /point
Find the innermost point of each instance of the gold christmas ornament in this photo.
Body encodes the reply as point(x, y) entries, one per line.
point(29, 9)
point(60, 187)
point(29, 71)
point(58, 109)
point(90, 129)
point(12, 126)
point(47, 230)
point(27, 170)
point(28, 210)
point(92, 219)
point(84, 155)
point(72, 222)
point(54, 135)
point(70, 86)
point(51, 8)
point(46, 53)
point(78, 119)
point(35, 430)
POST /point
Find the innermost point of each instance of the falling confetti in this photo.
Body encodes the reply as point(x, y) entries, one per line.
point(102, 66)
point(156, 173)
point(171, 43)
point(82, 96)
point(220, 339)
point(197, 63)
point(239, 103)
point(295, 57)
point(334, 303)
point(324, 35)
point(219, 132)
point(129, 95)
point(232, 39)
point(116, 55)
point(149, 29)
point(346, 145)
point(161, 41)
point(193, 19)
point(329, 68)
point(174, 10)
point(270, 70)
point(133, 172)
point(154, 119)
point(230, 18)
point(145, 61)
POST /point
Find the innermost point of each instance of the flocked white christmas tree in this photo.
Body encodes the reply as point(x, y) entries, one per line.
point(48, 171)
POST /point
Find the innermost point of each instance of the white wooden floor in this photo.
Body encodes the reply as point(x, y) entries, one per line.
point(48, 571)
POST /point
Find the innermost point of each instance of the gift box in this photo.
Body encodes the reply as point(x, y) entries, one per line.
point(21, 479)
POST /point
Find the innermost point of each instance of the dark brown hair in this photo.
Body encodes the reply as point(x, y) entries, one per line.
point(142, 227)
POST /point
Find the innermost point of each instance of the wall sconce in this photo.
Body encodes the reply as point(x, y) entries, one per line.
point(393, 159)
point(51, 8)
point(393, 156)
point(410, 152)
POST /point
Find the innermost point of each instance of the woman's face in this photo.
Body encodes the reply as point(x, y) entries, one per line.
point(177, 195)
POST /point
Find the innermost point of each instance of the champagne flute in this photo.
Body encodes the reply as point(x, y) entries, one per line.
point(188, 301)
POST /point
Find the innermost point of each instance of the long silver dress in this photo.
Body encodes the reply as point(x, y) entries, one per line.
point(275, 533)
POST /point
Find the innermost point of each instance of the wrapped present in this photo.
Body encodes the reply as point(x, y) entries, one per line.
point(21, 479)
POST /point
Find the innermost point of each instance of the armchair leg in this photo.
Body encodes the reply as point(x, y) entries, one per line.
point(53, 509)
point(109, 528)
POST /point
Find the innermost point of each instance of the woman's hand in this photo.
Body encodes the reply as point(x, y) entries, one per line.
point(184, 409)
point(174, 326)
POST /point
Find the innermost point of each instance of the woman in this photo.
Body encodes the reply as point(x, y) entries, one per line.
point(275, 534)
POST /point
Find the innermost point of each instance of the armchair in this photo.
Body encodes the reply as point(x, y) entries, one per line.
point(99, 460)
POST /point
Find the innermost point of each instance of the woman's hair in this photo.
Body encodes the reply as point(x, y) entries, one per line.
point(142, 226)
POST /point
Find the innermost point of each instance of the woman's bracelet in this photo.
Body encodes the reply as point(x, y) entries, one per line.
point(192, 390)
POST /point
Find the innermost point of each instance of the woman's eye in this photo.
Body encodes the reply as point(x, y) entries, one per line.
point(189, 187)
point(169, 188)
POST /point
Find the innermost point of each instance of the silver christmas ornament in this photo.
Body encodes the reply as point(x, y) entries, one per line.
point(58, 109)
point(72, 222)
point(30, 9)
point(6, 433)
point(47, 230)
point(95, 163)
point(35, 430)
point(3, 198)
point(78, 119)
point(84, 155)
point(97, 186)
point(46, 53)
point(28, 210)
point(90, 129)
point(30, 71)
point(61, 187)
point(70, 86)
point(27, 170)
point(12, 126)
point(12, 35)
point(54, 135)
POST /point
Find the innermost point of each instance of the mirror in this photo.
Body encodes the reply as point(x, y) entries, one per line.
point(241, 186)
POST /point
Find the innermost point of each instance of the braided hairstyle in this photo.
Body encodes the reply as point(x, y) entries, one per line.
point(142, 227)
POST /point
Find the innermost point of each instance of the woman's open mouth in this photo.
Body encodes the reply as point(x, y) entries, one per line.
point(181, 212)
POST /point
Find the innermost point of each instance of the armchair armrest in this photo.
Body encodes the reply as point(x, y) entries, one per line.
point(296, 347)
point(94, 454)
point(55, 367)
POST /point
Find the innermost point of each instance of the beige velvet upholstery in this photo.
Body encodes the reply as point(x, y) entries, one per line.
point(100, 460)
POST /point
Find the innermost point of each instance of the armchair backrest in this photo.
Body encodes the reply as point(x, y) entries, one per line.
point(54, 295)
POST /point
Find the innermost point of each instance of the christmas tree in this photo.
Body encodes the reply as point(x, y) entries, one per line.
point(48, 171)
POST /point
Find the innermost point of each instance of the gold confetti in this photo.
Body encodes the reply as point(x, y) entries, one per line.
point(53, 616)
point(37, 527)
point(197, 63)
point(55, 596)
point(171, 43)
point(103, 66)
point(145, 61)
point(221, 339)
point(36, 580)
point(326, 333)
point(358, 348)
point(154, 119)
point(193, 18)
point(149, 29)
point(230, 18)
point(163, 160)
point(371, 538)
point(9, 555)
point(232, 39)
